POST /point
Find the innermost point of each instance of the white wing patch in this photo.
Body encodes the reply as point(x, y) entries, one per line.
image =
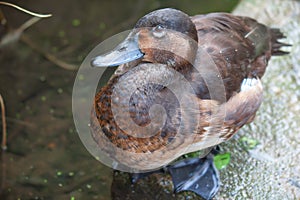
point(248, 83)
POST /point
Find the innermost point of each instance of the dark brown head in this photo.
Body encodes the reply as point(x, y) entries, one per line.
point(169, 18)
point(165, 36)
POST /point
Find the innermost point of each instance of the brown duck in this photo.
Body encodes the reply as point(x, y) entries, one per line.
point(183, 84)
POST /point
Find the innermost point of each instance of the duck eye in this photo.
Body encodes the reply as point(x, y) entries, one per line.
point(158, 31)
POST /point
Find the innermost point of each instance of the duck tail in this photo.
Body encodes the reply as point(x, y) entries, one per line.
point(276, 34)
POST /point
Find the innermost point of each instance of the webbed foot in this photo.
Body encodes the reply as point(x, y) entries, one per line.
point(196, 174)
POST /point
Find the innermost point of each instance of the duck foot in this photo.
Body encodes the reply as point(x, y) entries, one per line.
point(198, 175)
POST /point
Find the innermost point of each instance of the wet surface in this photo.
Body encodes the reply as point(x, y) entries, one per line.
point(45, 158)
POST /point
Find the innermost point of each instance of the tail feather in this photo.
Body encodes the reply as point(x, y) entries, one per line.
point(276, 34)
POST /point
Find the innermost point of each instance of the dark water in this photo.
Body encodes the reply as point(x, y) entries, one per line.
point(45, 158)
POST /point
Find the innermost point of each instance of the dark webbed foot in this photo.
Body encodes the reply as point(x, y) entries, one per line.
point(196, 174)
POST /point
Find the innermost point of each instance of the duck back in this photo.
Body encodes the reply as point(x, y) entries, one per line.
point(239, 46)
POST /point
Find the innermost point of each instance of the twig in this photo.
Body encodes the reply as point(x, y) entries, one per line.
point(50, 57)
point(28, 23)
point(25, 11)
point(19, 34)
point(20, 122)
point(14, 35)
point(4, 134)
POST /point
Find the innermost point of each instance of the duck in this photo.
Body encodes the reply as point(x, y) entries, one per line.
point(182, 84)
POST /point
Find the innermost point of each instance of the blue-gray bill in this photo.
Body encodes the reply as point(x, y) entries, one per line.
point(125, 52)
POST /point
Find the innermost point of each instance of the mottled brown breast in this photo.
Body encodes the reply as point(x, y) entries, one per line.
point(140, 102)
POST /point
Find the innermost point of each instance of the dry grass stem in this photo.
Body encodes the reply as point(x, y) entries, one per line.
point(4, 134)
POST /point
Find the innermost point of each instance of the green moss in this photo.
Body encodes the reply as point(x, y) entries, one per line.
point(222, 160)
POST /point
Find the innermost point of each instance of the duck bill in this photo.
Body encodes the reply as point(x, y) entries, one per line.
point(125, 52)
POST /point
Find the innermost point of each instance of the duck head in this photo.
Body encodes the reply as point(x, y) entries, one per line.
point(155, 39)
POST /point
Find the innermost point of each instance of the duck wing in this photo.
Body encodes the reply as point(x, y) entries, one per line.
point(239, 46)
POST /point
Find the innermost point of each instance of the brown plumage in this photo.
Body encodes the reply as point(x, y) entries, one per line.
point(182, 72)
